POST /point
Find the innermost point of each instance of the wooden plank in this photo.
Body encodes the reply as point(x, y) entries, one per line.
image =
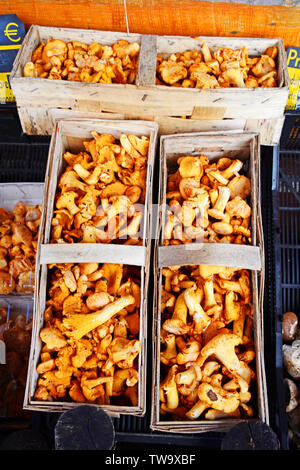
point(88, 253)
point(172, 125)
point(269, 129)
point(204, 113)
point(160, 17)
point(147, 62)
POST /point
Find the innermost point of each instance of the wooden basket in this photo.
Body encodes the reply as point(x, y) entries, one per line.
point(244, 146)
point(69, 135)
point(201, 425)
point(258, 109)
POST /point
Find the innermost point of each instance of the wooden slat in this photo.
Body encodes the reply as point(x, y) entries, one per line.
point(204, 113)
point(147, 63)
point(89, 252)
point(213, 254)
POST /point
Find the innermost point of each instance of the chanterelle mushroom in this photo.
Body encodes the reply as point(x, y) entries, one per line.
point(222, 346)
point(79, 325)
point(218, 398)
point(201, 319)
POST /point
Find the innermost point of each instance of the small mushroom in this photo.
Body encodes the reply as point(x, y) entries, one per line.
point(294, 420)
point(293, 395)
point(217, 212)
point(177, 324)
point(289, 326)
point(168, 356)
point(291, 359)
point(200, 319)
point(218, 398)
point(222, 346)
point(169, 388)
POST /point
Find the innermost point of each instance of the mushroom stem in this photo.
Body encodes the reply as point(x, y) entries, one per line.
point(80, 324)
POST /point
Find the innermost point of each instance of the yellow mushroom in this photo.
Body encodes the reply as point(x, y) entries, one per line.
point(222, 346)
point(217, 212)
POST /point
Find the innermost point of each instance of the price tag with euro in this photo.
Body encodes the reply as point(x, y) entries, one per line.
point(293, 63)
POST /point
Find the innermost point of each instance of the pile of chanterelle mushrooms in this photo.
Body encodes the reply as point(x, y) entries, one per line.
point(19, 230)
point(208, 201)
point(90, 346)
point(207, 344)
point(101, 192)
point(78, 61)
point(222, 68)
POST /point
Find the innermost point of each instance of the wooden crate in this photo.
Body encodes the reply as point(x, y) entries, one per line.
point(28, 193)
point(202, 425)
point(260, 109)
point(244, 146)
point(69, 135)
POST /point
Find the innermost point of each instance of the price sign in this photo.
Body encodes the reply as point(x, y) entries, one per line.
point(293, 63)
point(12, 33)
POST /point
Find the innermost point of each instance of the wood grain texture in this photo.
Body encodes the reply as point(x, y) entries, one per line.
point(37, 97)
point(163, 17)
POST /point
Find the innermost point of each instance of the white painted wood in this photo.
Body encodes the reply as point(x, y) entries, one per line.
point(92, 252)
point(145, 100)
point(213, 254)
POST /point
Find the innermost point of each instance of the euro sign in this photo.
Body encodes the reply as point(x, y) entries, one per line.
point(12, 32)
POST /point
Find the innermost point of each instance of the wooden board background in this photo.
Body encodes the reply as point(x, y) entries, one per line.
point(164, 17)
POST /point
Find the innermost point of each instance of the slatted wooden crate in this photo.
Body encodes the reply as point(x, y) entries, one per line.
point(257, 109)
point(202, 425)
point(249, 257)
point(243, 146)
point(69, 135)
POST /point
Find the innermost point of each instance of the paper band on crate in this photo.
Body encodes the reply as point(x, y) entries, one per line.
point(91, 252)
point(213, 254)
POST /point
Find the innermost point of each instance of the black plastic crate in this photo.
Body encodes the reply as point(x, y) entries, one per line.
point(22, 162)
point(286, 215)
point(290, 137)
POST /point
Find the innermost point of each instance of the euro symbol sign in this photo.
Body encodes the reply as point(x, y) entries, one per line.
point(12, 32)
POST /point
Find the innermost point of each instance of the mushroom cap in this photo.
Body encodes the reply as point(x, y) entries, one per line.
point(22, 232)
point(7, 283)
point(171, 72)
point(190, 167)
point(240, 186)
point(218, 398)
